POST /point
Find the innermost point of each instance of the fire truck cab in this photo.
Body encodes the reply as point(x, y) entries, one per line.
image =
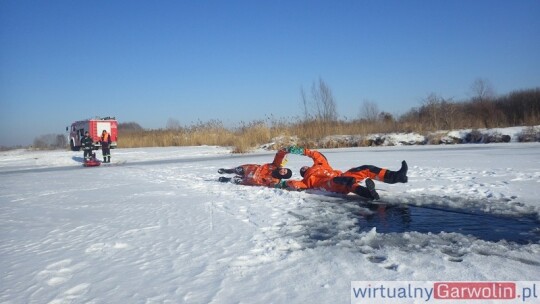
point(95, 127)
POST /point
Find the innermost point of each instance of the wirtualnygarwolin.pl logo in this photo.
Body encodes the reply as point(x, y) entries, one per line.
point(392, 292)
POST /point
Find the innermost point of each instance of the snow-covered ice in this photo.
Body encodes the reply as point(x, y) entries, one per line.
point(160, 229)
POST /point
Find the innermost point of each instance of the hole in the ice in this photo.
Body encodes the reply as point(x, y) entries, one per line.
point(389, 218)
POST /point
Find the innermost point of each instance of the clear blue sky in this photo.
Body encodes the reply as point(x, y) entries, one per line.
point(148, 61)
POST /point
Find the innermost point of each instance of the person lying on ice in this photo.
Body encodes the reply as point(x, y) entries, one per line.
point(268, 175)
point(323, 177)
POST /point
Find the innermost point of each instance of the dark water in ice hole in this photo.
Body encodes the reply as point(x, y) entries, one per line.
point(388, 218)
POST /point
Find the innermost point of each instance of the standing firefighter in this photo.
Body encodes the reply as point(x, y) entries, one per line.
point(87, 143)
point(106, 146)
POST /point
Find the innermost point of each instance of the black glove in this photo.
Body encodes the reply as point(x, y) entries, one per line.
point(224, 179)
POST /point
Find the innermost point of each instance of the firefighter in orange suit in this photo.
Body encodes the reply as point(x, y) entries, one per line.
point(105, 141)
point(322, 176)
point(268, 175)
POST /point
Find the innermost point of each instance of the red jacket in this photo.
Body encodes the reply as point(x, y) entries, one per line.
point(318, 176)
point(261, 175)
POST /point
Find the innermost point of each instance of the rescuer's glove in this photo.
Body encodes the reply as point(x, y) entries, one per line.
point(295, 150)
point(281, 185)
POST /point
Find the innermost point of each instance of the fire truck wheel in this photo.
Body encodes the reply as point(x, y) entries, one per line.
point(73, 147)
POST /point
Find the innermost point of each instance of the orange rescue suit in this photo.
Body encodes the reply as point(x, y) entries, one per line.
point(318, 176)
point(321, 175)
point(261, 175)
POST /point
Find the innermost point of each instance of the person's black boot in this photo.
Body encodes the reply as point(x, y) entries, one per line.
point(224, 179)
point(368, 191)
point(400, 176)
point(222, 171)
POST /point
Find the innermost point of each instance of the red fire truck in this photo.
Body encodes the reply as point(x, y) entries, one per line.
point(95, 127)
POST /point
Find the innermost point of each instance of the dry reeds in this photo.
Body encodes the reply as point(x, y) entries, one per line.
point(517, 108)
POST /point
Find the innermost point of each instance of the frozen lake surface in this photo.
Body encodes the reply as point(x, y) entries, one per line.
point(157, 227)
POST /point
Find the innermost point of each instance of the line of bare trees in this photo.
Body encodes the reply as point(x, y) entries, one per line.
point(320, 119)
point(484, 109)
point(50, 142)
